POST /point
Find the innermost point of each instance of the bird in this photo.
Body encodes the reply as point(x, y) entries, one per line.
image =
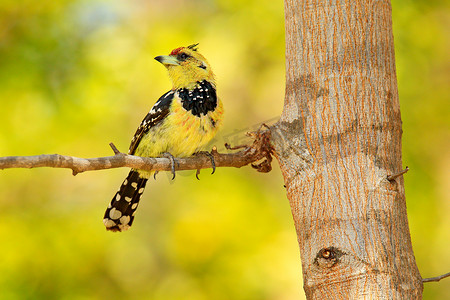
point(180, 124)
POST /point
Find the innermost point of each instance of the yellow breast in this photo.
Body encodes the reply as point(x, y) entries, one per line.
point(181, 133)
point(192, 133)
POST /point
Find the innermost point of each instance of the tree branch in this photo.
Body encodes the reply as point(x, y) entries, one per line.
point(259, 150)
point(436, 278)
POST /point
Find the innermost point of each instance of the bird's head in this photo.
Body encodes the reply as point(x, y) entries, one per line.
point(186, 67)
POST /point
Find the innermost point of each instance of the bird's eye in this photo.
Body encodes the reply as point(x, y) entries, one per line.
point(182, 56)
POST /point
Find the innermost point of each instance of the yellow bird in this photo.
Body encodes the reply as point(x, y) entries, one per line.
point(180, 123)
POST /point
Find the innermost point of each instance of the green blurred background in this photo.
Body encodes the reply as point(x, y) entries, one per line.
point(76, 75)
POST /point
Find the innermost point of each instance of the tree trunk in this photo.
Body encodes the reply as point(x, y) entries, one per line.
point(337, 140)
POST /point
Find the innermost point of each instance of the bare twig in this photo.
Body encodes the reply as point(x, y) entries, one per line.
point(257, 151)
point(436, 278)
point(394, 176)
point(229, 147)
point(113, 147)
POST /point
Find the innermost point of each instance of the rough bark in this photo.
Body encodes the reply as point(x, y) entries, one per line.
point(337, 140)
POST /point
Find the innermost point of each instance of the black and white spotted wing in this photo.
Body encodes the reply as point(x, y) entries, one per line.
point(158, 112)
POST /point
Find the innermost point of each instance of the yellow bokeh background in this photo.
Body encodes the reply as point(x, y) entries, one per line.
point(77, 75)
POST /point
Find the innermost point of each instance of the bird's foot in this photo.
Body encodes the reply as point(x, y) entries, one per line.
point(172, 162)
point(211, 158)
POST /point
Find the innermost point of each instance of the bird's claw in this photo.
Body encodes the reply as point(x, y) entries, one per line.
point(211, 158)
point(172, 163)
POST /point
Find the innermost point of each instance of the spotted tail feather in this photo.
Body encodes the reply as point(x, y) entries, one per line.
point(120, 213)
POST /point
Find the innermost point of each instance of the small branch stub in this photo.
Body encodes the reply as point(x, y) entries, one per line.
point(114, 148)
point(394, 176)
point(328, 257)
point(437, 278)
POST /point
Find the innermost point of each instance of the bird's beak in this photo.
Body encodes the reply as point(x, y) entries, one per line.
point(167, 60)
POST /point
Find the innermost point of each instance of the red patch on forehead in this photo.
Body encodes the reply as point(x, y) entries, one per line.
point(176, 51)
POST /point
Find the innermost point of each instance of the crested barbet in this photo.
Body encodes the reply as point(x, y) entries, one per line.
point(180, 123)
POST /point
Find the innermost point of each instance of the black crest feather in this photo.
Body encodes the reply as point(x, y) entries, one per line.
point(193, 47)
